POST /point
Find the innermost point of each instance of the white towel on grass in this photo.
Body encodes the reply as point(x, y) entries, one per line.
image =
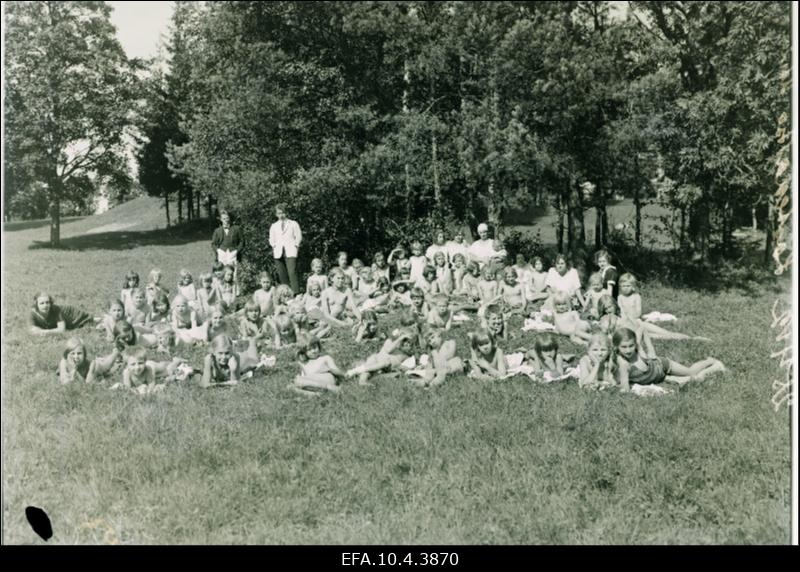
point(659, 317)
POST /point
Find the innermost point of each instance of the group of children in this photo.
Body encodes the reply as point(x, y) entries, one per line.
point(433, 291)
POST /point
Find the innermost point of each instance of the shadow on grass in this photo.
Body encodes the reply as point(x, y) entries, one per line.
point(125, 240)
point(18, 225)
point(744, 271)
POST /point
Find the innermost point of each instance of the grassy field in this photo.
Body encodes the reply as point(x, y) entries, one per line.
point(484, 463)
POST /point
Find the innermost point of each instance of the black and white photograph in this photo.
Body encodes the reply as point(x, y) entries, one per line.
point(401, 274)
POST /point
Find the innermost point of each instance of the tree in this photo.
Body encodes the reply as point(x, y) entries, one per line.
point(71, 91)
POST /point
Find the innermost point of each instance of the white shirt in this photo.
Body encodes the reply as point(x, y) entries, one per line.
point(570, 283)
point(433, 249)
point(454, 248)
point(285, 238)
point(483, 251)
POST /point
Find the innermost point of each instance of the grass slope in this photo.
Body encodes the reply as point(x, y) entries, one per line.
point(469, 462)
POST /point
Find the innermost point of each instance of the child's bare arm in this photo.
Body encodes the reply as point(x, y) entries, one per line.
point(205, 381)
point(126, 378)
point(63, 375)
point(622, 369)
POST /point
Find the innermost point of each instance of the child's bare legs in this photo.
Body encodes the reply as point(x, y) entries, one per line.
point(698, 371)
point(303, 384)
point(581, 334)
point(658, 332)
point(249, 359)
point(321, 331)
point(375, 362)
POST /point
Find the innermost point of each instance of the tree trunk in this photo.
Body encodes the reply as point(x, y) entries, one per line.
point(407, 170)
point(769, 224)
point(437, 190)
point(600, 218)
point(560, 223)
point(180, 206)
point(197, 210)
point(166, 207)
point(55, 222)
point(189, 204)
point(577, 231)
point(494, 208)
point(637, 203)
point(682, 237)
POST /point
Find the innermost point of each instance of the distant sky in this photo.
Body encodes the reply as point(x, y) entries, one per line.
point(140, 26)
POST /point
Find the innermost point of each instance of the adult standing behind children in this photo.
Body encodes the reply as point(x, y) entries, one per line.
point(483, 250)
point(285, 238)
point(227, 243)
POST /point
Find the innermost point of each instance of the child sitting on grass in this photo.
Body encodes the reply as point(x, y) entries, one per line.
point(115, 313)
point(131, 282)
point(317, 275)
point(536, 282)
point(338, 306)
point(265, 295)
point(160, 312)
point(630, 305)
point(512, 293)
point(153, 286)
point(442, 359)
point(592, 297)
point(318, 371)
point(186, 287)
point(252, 324)
point(567, 322)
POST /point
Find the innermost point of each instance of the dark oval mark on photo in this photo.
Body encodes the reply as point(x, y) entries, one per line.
point(39, 521)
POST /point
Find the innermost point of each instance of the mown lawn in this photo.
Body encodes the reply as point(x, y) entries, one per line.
point(509, 462)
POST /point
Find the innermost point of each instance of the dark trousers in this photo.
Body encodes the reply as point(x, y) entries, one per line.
point(287, 272)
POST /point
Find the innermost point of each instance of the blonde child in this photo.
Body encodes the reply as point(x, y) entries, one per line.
point(593, 295)
point(282, 299)
point(227, 289)
point(224, 366)
point(186, 287)
point(338, 305)
point(184, 322)
point(286, 330)
point(442, 359)
point(131, 282)
point(630, 306)
point(215, 325)
point(317, 275)
point(115, 313)
point(165, 339)
point(140, 308)
point(487, 288)
point(265, 295)
point(366, 285)
point(633, 367)
point(252, 323)
point(74, 364)
point(418, 261)
point(380, 267)
point(206, 296)
point(393, 353)
point(494, 320)
point(487, 361)
point(536, 281)
point(444, 276)
point(458, 271)
point(153, 286)
point(567, 322)
point(610, 320)
point(597, 366)
point(512, 292)
point(138, 374)
point(318, 371)
point(440, 315)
